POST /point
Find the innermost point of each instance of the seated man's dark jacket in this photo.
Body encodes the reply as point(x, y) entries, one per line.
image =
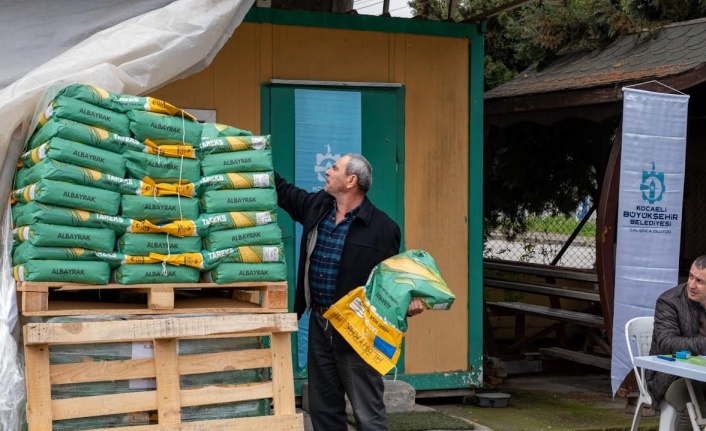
point(676, 328)
point(372, 238)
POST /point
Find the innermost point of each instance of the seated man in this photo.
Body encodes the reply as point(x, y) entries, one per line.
point(680, 324)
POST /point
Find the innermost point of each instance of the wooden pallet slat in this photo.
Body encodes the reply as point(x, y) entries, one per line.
point(279, 423)
point(58, 299)
point(171, 327)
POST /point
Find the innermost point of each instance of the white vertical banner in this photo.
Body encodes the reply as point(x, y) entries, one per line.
point(649, 210)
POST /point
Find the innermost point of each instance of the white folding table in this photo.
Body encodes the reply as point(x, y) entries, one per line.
point(681, 369)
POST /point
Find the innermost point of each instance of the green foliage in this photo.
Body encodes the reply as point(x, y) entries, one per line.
point(538, 170)
point(543, 30)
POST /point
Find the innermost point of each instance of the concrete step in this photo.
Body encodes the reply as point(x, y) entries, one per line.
point(399, 397)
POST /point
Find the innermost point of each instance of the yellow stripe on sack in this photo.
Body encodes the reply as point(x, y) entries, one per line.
point(239, 181)
point(101, 93)
point(237, 144)
point(241, 219)
point(36, 155)
point(249, 255)
point(405, 264)
point(355, 320)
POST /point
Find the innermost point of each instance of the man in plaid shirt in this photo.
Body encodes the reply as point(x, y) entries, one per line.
point(344, 237)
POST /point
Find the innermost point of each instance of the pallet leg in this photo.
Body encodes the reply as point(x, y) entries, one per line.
point(245, 295)
point(282, 373)
point(166, 362)
point(35, 301)
point(274, 298)
point(39, 408)
point(160, 298)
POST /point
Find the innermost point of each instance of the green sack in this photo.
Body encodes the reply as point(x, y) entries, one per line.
point(69, 195)
point(85, 134)
point(214, 222)
point(162, 169)
point(21, 178)
point(373, 318)
point(164, 129)
point(269, 234)
point(59, 171)
point(86, 113)
point(144, 244)
point(241, 180)
point(25, 252)
point(237, 161)
point(47, 235)
point(232, 143)
point(207, 260)
point(63, 271)
point(155, 273)
point(76, 154)
point(241, 272)
point(35, 212)
point(219, 201)
point(160, 209)
point(216, 130)
point(119, 102)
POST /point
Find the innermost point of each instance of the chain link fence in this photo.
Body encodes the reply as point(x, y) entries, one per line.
point(544, 240)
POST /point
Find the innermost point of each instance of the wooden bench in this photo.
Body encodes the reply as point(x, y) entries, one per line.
point(555, 283)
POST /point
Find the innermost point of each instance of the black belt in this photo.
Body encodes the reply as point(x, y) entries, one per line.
point(319, 308)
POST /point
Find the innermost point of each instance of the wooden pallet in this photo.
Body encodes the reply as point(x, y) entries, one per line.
point(166, 366)
point(69, 299)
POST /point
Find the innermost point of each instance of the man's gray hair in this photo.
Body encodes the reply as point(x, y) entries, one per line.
point(700, 262)
point(360, 167)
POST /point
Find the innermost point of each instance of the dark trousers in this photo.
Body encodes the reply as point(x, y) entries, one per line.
point(335, 370)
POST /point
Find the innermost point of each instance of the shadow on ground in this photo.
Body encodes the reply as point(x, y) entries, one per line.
point(580, 401)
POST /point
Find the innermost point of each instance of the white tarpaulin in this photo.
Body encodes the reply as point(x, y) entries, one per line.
point(649, 210)
point(123, 47)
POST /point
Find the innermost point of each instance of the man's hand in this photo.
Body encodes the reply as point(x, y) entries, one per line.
point(415, 307)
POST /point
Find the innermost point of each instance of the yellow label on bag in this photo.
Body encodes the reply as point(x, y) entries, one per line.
point(376, 341)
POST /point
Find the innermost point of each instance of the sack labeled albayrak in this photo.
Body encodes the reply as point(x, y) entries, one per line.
point(69, 195)
point(34, 212)
point(162, 169)
point(63, 271)
point(58, 171)
point(155, 273)
point(373, 318)
point(76, 154)
point(46, 235)
point(162, 209)
point(207, 260)
point(86, 113)
point(85, 134)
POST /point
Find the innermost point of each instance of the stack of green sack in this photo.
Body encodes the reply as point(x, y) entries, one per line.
point(126, 186)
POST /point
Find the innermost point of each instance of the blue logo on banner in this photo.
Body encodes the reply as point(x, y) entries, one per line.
point(324, 162)
point(652, 186)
